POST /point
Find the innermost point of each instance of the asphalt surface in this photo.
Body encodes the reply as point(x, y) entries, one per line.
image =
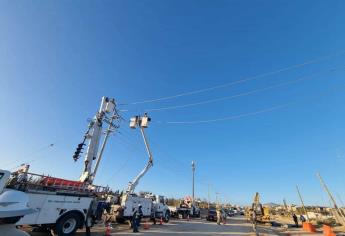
point(234, 226)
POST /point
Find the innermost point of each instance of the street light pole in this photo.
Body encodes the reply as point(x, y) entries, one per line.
point(208, 196)
point(193, 171)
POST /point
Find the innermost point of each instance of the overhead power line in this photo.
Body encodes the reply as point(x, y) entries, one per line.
point(313, 61)
point(233, 117)
point(240, 94)
point(229, 117)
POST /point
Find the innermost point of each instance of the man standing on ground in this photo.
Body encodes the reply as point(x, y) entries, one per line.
point(219, 214)
point(135, 220)
point(140, 214)
point(295, 219)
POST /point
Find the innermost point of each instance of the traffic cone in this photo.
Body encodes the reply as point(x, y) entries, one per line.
point(146, 225)
point(327, 231)
point(161, 221)
point(307, 226)
point(108, 230)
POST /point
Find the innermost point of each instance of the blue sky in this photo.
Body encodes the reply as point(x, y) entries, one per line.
point(58, 58)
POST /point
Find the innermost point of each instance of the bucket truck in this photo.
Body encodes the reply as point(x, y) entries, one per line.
point(153, 206)
point(66, 205)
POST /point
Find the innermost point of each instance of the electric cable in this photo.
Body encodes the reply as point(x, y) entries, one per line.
point(40, 150)
point(313, 61)
point(303, 78)
point(233, 117)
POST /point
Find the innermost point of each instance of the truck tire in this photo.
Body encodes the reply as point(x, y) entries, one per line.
point(68, 224)
point(167, 216)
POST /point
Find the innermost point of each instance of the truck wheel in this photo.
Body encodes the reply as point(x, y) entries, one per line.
point(167, 217)
point(68, 224)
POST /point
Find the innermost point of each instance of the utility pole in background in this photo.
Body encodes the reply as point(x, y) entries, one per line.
point(327, 191)
point(300, 197)
point(339, 214)
point(217, 198)
point(208, 195)
point(193, 171)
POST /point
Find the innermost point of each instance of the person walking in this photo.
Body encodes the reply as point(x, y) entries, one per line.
point(219, 214)
point(295, 219)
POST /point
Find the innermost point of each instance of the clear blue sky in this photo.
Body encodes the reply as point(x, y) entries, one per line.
point(58, 58)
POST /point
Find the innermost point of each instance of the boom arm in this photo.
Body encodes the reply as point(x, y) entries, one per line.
point(94, 135)
point(134, 183)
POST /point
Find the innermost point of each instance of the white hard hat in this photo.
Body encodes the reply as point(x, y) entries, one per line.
point(139, 205)
point(14, 203)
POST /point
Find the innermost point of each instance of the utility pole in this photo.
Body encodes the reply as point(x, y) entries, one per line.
point(339, 215)
point(208, 196)
point(300, 197)
point(193, 172)
point(285, 206)
point(217, 198)
point(327, 191)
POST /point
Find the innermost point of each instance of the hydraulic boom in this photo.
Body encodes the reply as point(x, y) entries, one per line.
point(94, 134)
point(142, 123)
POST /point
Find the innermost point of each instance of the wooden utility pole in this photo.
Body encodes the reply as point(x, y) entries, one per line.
point(286, 207)
point(327, 191)
point(338, 212)
point(300, 197)
point(193, 172)
point(208, 196)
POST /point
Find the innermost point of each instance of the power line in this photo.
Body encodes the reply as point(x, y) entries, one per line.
point(32, 154)
point(313, 61)
point(233, 117)
point(240, 94)
point(229, 117)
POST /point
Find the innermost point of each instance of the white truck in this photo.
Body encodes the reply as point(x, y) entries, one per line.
point(186, 209)
point(153, 206)
point(66, 205)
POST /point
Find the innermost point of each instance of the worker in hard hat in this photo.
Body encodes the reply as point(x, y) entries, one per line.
point(140, 213)
point(219, 214)
point(137, 215)
point(13, 206)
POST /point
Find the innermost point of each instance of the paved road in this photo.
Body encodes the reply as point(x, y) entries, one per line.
point(234, 226)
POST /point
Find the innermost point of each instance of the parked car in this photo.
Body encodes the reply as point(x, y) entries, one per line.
point(230, 212)
point(212, 214)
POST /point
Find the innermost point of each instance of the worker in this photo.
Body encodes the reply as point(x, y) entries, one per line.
point(219, 214)
point(135, 220)
point(254, 220)
point(302, 219)
point(140, 213)
point(295, 219)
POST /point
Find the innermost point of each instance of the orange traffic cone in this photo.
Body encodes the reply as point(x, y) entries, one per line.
point(327, 231)
point(146, 225)
point(161, 221)
point(108, 230)
point(307, 226)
